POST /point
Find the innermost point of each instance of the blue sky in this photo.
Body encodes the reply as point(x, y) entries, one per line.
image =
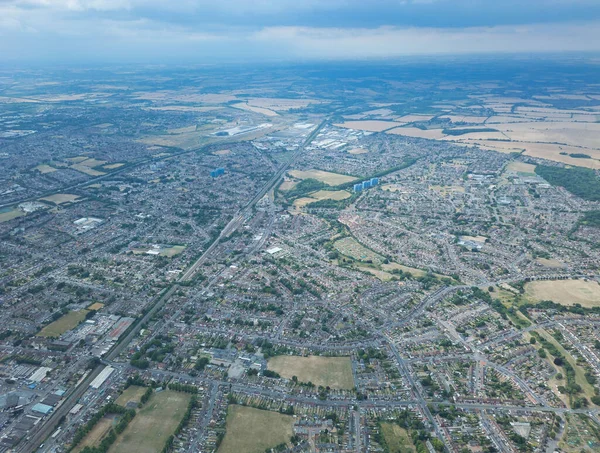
point(208, 31)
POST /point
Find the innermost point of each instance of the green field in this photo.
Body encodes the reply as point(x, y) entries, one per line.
point(252, 430)
point(335, 372)
point(131, 393)
point(397, 438)
point(153, 424)
point(63, 324)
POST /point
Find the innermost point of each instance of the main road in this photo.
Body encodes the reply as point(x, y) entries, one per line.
point(50, 424)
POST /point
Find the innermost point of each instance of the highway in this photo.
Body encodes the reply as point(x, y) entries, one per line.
point(51, 423)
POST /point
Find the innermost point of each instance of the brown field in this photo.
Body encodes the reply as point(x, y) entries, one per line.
point(476, 136)
point(87, 170)
point(577, 134)
point(43, 169)
point(433, 134)
point(11, 214)
point(183, 108)
point(183, 96)
point(60, 198)
point(63, 324)
point(335, 372)
point(381, 275)
point(369, 125)
point(551, 263)
point(250, 430)
point(153, 424)
point(132, 393)
point(332, 179)
point(358, 151)
point(252, 108)
point(288, 185)
point(96, 306)
point(95, 436)
point(565, 292)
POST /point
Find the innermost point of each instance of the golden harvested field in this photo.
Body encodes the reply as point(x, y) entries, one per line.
point(335, 372)
point(466, 119)
point(60, 198)
point(9, 214)
point(43, 169)
point(87, 170)
point(63, 324)
point(564, 292)
point(331, 179)
point(397, 438)
point(434, 134)
point(95, 436)
point(578, 134)
point(255, 109)
point(131, 393)
point(350, 247)
point(414, 118)
point(369, 125)
point(250, 430)
point(153, 424)
point(358, 151)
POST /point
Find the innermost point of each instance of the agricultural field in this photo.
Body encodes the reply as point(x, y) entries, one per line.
point(63, 324)
point(335, 372)
point(564, 292)
point(331, 179)
point(250, 430)
point(435, 134)
point(60, 198)
point(397, 438)
point(351, 247)
point(131, 393)
point(153, 424)
point(255, 109)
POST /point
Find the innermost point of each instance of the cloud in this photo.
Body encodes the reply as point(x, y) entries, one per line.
point(197, 30)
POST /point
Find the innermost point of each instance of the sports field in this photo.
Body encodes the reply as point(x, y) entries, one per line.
point(250, 430)
point(153, 424)
point(132, 393)
point(63, 324)
point(332, 179)
point(95, 436)
point(565, 292)
point(335, 372)
point(60, 198)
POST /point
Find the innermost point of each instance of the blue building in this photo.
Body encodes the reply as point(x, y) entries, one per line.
point(366, 184)
point(374, 181)
point(358, 187)
point(217, 172)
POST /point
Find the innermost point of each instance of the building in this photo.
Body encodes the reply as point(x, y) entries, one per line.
point(217, 172)
point(374, 181)
point(366, 184)
point(358, 187)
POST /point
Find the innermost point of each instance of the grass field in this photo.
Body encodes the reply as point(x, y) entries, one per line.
point(521, 167)
point(321, 195)
point(381, 275)
point(252, 430)
point(564, 292)
point(397, 438)
point(10, 214)
point(60, 198)
point(43, 169)
point(131, 393)
point(172, 251)
point(350, 247)
point(413, 270)
point(335, 372)
point(113, 166)
point(332, 179)
point(63, 324)
point(95, 436)
point(153, 424)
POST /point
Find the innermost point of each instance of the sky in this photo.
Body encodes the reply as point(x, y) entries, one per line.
point(209, 31)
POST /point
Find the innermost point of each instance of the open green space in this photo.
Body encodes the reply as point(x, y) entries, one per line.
point(333, 372)
point(397, 438)
point(63, 324)
point(250, 430)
